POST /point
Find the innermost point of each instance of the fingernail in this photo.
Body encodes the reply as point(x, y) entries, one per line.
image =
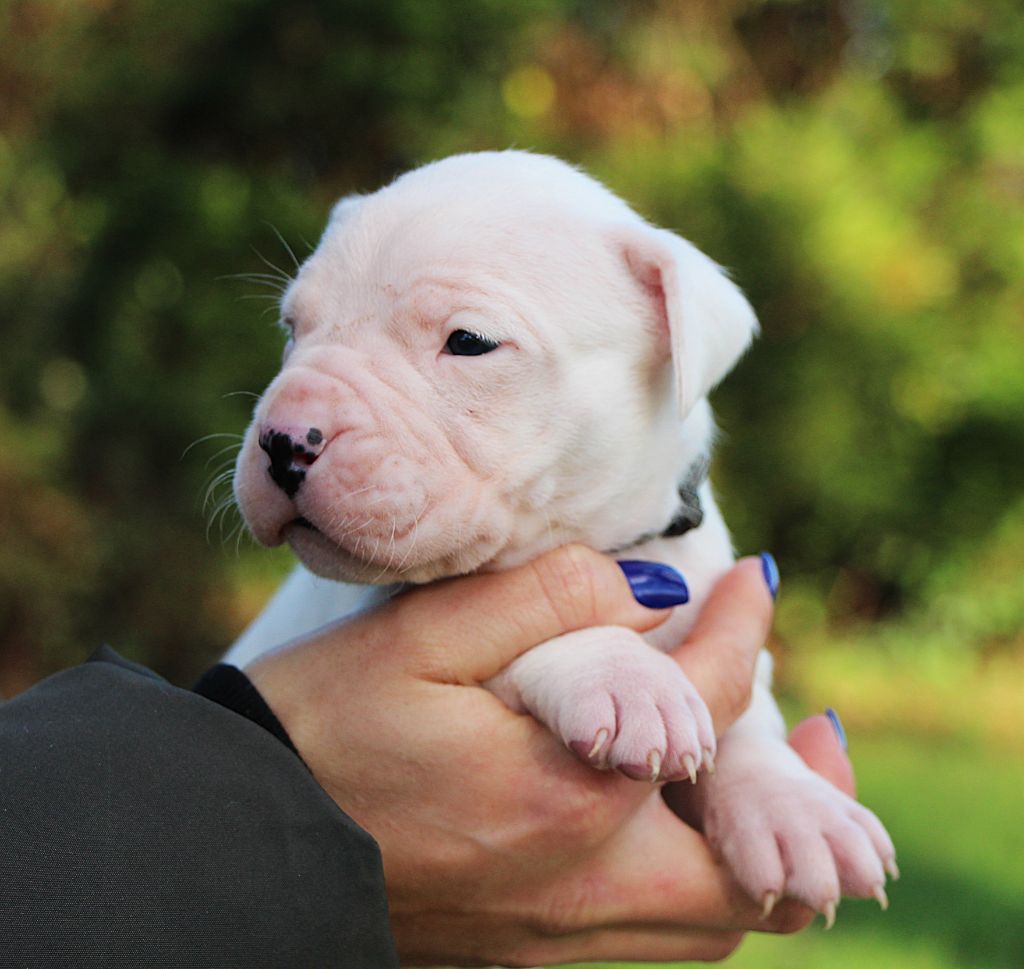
point(655, 585)
point(770, 570)
point(837, 726)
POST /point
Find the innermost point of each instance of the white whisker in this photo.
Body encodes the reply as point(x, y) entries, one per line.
point(284, 277)
point(274, 299)
point(240, 533)
point(208, 437)
point(412, 545)
point(231, 448)
point(281, 239)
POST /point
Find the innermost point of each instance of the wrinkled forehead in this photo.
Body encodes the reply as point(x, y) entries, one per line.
point(455, 242)
point(463, 232)
point(420, 269)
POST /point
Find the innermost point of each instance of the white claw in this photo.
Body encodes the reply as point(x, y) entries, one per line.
point(883, 899)
point(709, 762)
point(830, 915)
point(768, 903)
point(893, 869)
point(690, 766)
point(654, 761)
point(599, 742)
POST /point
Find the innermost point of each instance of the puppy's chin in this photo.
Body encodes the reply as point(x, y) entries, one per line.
point(329, 560)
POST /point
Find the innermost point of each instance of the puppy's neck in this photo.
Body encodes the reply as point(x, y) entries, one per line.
point(689, 514)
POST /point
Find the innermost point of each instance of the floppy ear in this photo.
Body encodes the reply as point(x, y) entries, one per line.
point(705, 317)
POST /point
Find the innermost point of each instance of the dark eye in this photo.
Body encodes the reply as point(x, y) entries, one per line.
point(464, 343)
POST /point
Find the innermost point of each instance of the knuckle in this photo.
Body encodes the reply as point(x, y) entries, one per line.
point(569, 581)
point(591, 816)
point(583, 813)
point(739, 692)
point(728, 691)
point(566, 913)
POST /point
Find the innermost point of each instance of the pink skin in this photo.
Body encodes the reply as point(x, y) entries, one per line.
point(434, 464)
point(385, 484)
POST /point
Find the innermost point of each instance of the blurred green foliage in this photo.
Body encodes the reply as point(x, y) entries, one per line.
point(858, 164)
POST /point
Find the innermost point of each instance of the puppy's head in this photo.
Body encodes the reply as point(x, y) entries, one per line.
point(492, 356)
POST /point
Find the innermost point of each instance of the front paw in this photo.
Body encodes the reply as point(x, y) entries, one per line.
point(625, 706)
point(785, 831)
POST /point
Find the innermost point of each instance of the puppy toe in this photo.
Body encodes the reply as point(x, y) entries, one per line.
point(811, 872)
point(860, 870)
point(589, 729)
point(752, 855)
point(685, 753)
point(650, 771)
point(705, 730)
point(639, 748)
point(592, 751)
point(879, 837)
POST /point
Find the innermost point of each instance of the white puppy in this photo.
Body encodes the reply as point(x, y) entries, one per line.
point(494, 356)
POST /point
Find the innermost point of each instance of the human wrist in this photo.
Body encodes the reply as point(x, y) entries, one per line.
point(231, 688)
point(280, 680)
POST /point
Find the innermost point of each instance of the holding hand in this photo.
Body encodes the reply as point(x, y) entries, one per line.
point(498, 844)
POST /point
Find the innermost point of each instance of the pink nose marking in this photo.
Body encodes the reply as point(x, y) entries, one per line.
point(291, 450)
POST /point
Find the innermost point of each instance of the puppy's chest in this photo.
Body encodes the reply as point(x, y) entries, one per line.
point(674, 630)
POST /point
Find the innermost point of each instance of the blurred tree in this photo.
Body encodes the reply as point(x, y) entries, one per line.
point(147, 147)
point(858, 164)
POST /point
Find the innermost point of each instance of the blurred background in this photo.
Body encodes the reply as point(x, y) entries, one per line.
point(858, 164)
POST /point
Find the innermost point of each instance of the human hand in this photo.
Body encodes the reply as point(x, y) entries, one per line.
point(816, 740)
point(498, 845)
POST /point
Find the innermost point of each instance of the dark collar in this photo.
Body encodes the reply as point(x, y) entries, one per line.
point(688, 515)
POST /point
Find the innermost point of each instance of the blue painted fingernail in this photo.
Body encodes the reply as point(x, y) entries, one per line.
point(655, 585)
point(771, 573)
point(837, 726)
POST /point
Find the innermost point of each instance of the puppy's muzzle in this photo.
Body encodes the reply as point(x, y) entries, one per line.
point(291, 451)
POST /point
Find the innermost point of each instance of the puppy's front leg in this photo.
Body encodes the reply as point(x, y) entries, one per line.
point(784, 830)
point(615, 701)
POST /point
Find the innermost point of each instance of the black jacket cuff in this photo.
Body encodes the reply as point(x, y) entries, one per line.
point(231, 688)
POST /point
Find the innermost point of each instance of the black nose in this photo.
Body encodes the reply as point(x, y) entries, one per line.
point(290, 453)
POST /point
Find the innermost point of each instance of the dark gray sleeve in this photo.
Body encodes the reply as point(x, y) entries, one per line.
point(144, 825)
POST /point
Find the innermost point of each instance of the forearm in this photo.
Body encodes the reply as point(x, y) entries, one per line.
point(146, 825)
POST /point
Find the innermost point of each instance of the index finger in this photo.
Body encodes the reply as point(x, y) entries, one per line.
point(721, 649)
point(467, 630)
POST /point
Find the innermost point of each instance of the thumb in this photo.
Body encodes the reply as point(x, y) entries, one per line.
point(473, 627)
point(721, 649)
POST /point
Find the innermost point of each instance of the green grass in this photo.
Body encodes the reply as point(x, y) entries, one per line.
point(956, 813)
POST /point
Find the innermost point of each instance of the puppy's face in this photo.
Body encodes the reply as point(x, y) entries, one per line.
point(478, 368)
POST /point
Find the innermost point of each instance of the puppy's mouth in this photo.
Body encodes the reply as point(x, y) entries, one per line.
point(301, 533)
point(325, 556)
point(331, 559)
